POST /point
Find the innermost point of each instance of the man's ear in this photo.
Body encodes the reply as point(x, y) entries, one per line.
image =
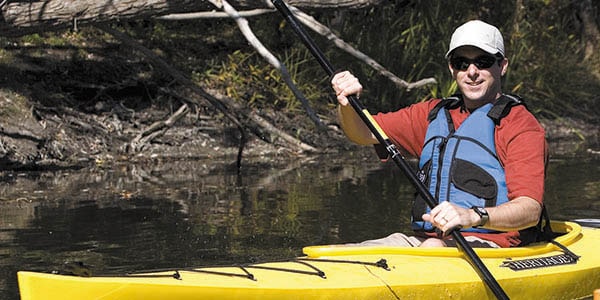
point(451, 71)
point(504, 66)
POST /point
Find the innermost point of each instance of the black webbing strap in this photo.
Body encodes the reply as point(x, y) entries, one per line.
point(548, 235)
point(502, 107)
point(451, 102)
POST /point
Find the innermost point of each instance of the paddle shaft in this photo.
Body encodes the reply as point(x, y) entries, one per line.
point(393, 151)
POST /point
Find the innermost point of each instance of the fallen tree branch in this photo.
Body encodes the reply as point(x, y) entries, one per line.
point(18, 18)
point(183, 80)
point(157, 129)
point(215, 14)
point(323, 30)
point(312, 24)
point(269, 57)
point(223, 104)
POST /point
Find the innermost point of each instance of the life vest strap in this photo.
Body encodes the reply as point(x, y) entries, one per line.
point(503, 106)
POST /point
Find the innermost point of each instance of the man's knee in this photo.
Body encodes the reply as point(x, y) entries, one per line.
point(433, 242)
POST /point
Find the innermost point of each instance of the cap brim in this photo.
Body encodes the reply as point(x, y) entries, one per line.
point(490, 50)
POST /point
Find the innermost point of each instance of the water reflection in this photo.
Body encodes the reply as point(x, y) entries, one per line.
point(573, 188)
point(202, 213)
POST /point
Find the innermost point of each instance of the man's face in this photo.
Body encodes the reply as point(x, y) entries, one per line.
point(479, 85)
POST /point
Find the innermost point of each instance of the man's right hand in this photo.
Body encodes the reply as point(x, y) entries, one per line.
point(345, 84)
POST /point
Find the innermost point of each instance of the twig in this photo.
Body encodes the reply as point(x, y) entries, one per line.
point(157, 129)
point(215, 14)
point(290, 140)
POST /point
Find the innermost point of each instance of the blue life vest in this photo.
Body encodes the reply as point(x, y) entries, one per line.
point(461, 165)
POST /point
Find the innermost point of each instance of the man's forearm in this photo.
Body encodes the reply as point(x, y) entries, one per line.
point(354, 127)
point(519, 213)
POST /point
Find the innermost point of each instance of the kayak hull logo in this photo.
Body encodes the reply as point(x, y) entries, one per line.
point(540, 262)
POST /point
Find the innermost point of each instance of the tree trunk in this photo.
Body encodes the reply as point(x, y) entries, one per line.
point(518, 16)
point(24, 17)
point(590, 34)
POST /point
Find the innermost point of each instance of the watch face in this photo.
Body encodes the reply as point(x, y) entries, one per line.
point(479, 210)
point(482, 213)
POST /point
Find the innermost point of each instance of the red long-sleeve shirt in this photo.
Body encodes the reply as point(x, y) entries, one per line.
point(520, 145)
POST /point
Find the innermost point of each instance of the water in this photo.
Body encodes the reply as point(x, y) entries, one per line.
point(198, 213)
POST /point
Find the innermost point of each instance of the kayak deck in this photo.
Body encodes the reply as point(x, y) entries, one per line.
point(339, 272)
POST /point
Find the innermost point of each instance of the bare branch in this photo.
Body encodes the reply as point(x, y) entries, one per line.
point(157, 129)
point(215, 15)
point(323, 30)
point(222, 103)
point(266, 54)
point(314, 25)
point(292, 142)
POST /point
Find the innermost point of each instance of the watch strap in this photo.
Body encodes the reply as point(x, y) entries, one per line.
point(483, 214)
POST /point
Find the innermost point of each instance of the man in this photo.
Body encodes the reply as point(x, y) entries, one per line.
point(497, 208)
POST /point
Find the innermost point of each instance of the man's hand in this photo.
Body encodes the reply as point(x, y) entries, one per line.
point(447, 216)
point(345, 84)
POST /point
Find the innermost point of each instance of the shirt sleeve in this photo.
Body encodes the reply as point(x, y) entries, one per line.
point(407, 127)
point(523, 151)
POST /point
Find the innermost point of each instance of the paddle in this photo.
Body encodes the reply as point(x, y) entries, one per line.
point(395, 154)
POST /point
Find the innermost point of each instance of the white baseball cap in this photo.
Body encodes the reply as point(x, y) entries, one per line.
point(479, 34)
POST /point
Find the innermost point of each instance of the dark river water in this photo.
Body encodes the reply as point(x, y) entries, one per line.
point(120, 219)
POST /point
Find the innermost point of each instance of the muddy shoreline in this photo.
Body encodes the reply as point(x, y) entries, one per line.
point(36, 142)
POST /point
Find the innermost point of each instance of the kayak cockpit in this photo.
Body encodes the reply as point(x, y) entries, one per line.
point(570, 233)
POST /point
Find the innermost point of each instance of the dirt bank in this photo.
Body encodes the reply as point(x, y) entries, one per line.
point(34, 137)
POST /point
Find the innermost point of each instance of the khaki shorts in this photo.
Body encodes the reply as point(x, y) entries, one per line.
point(402, 240)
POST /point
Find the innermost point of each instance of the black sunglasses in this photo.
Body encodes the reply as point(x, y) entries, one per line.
point(481, 62)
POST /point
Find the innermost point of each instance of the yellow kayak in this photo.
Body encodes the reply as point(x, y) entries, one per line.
point(541, 271)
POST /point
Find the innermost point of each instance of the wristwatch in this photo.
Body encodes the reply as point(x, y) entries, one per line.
point(482, 213)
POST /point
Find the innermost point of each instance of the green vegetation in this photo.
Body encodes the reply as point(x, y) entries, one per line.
point(245, 76)
point(543, 41)
point(13, 105)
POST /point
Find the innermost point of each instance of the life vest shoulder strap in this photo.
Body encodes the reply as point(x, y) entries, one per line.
point(503, 106)
point(451, 102)
point(500, 109)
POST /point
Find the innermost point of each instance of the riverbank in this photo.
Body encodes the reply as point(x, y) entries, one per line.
point(79, 99)
point(39, 138)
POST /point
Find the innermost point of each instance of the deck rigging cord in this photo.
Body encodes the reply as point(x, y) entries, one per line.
point(176, 273)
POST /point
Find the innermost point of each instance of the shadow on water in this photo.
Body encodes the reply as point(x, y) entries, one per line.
point(197, 213)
